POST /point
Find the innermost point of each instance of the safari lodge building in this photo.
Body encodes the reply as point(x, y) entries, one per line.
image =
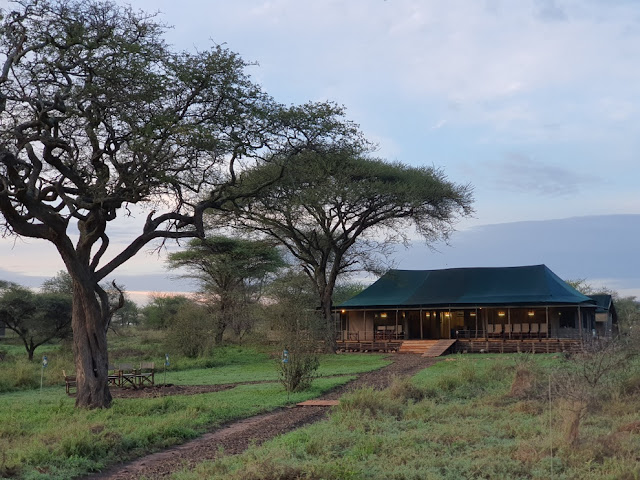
point(478, 309)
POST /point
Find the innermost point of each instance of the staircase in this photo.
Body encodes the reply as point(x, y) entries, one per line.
point(417, 346)
point(439, 348)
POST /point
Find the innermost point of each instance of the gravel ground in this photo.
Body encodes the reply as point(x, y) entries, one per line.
point(236, 437)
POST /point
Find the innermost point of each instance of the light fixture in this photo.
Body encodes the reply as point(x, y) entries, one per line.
point(383, 315)
point(343, 311)
point(501, 314)
point(428, 314)
point(473, 314)
point(531, 313)
point(447, 314)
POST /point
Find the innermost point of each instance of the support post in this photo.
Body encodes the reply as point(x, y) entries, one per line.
point(476, 322)
point(421, 320)
point(364, 324)
point(509, 320)
point(547, 319)
point(580, 326)
point(395, 333)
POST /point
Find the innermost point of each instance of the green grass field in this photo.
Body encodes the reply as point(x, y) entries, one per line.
point(42, 435)
point(455, 420)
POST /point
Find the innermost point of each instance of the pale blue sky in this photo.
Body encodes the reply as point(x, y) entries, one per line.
point(536, 103)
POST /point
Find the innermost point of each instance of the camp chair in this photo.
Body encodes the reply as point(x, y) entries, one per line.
point(69, 381)
point(535, 329)
point(525, 329)
point(516, 329)
point(497, 329)
point(127, 374)
point(543, 329)
point(146, 373)
point(113, 377)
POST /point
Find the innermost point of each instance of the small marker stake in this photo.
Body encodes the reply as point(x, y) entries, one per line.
point(166, 364)
point(45, 362)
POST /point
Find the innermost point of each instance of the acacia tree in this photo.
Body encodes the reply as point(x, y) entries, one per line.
point(334, 211)
point(98, 114)
point(37, 318)
point(231, 273)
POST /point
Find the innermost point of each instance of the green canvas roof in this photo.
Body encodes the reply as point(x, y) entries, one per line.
point(529, 285)
point(605, 304)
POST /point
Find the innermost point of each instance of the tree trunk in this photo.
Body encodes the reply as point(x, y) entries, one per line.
point(330, 334)
point(89, 348)
point(220, 328)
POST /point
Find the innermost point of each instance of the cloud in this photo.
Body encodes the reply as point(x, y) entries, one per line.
point(590, 247)
point(548, 10)
point(521, 173)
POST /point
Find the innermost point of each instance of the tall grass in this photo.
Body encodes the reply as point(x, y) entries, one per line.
point(457, 419)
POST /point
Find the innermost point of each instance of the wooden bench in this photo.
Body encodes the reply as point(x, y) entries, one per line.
point(69, 381)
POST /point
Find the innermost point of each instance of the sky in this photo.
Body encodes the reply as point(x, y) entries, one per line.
point(536, 103)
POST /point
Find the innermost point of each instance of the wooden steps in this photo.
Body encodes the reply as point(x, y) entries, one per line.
point(416, 346)
point(439, 348)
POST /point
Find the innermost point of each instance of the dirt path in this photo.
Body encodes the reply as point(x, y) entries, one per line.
point(236, 437)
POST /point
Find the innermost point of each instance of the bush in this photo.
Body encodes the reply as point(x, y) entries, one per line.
point(190, 331)
point(298, 371)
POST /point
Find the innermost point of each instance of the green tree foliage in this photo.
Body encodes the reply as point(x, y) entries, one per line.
point(292, 308)
point(627, 308)
point(61, 283)
point(334, 211)
point(343, 291)
point(37, 318)
point(190, 331)
point(231, 273)
point(161, 310)
point(98, 113)
point(126, 316)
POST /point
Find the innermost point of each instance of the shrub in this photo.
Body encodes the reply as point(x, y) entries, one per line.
point(296, 372)
point(190, 331)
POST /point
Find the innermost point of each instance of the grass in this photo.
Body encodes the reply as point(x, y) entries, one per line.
point(455, 420)
point(226, 364)
point(261, 368)
point(43, 436)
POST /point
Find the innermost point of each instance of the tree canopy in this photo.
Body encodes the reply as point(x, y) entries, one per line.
point(37, 318)
point(333, 210)
point(98, 113)
point(231, 273)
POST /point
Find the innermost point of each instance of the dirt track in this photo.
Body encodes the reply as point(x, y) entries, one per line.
point(235, 437)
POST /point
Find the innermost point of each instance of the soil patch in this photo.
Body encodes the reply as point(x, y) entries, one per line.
point(236, 437)
point(155, 391)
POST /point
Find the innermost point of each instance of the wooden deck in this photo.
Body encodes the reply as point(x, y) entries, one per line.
point(435, 348)
point(391, 346)
point(544, 345)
